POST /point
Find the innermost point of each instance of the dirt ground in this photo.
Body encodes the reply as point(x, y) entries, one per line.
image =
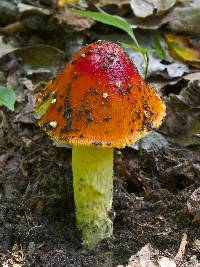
point(37, 212)
point(154, 180)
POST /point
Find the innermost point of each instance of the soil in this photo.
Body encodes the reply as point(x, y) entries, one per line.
point(37, 211)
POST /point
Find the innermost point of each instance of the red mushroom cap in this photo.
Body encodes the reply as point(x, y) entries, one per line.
point(99, 98)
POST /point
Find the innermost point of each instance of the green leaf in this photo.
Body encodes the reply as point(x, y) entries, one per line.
point(142, 50)
point(157, 45)
point(7, 97)
point(108, 19)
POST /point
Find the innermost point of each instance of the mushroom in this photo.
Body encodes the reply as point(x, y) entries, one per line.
point(97, 103)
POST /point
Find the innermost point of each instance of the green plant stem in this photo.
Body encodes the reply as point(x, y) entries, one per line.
point(93, 191)
point(146, 59)
point(144, 54)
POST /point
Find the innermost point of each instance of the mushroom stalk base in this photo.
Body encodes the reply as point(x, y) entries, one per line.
point(93, 191)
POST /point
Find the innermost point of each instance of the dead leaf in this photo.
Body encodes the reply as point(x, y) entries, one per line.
point(118, 3)
point(151, 22)
point(40, 58)
point(185, 19)
point(193, 202)
point(5, 48)
point(25, 9)
point(73, 21)
point(27, 83)
point(152, 141)
point(192, 76)
point(180, 48)
point(196, 245)
point(63, 3)
point(182, 122)
point(13, 80)
point(166, 262)
point(149, 257)
point(142, 8)
point(190, 94)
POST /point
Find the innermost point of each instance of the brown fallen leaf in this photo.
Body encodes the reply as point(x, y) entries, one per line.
point(181, 48)
point(149, 257)
point(73, 21)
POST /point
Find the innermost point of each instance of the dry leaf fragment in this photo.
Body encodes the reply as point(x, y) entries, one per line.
point(149, 257)
point(73, 21)
point(185, 19)
point(63, 3)
point(166, 262)
point(143, 8)
point(194, 76)
point(119, 3)
point(193, 202)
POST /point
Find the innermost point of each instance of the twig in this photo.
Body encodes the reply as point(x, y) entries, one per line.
point(181, 250)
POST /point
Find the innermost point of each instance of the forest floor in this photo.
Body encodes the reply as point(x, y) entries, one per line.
point(156, 181)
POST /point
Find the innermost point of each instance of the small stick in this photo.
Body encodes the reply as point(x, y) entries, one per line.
point(181, 250)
